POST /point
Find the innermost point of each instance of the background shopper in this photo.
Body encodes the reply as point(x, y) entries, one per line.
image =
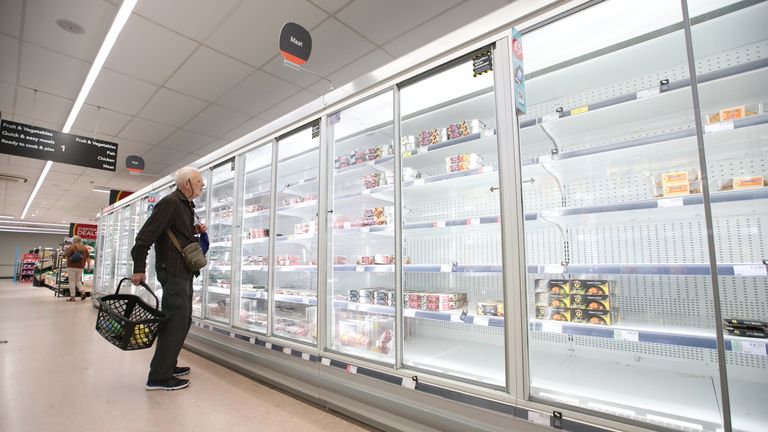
point(77, 256)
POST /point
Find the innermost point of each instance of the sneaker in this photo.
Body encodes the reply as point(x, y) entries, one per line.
point(181, 371)
point(168, 384)
point(83, 296)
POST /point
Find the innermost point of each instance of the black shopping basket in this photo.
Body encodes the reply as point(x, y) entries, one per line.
point(127, 322)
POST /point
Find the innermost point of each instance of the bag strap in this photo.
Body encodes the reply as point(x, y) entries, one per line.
point(175, 241)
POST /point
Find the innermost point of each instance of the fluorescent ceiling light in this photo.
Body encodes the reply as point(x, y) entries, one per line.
point(101, 189)
point(109, 41)
point(36, 223)
point(6, 217)
point(117, 26)
point(37, 188)
point(34, 230)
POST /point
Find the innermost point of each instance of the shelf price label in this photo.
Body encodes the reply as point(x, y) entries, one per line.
point(580, 110)
point(287, 351)
point(670, 202)
point(268, 345)
point(351, 369)
point(446, 268)
point(538, 418)
point(480, 320)
point(551, 327)
point(718, 127)
point(418, 182)
point(456, 318)
point(556, 269)
point(411, 313)
point(550, 117)
point(653, 91)
point(305, 356)
point(756, 348)
point(630, 335)
point(325, 362)
point(409, 383)
point(439, 224)
point(359, 268)
point(750, 270)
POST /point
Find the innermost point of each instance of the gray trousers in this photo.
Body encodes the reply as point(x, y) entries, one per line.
point(177, 304)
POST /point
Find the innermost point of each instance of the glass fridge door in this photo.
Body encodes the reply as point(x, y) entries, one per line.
point(295, 285)
point(256, 211)
point(106, 257)
point(619, 294)
point(733, 94)
point(220, 229)
point(452, 266)
point(362, 283)
point(201, 210)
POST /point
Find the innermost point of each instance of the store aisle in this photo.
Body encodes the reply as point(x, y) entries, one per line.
point(58, 374)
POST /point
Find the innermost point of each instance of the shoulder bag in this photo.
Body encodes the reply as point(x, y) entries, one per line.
point(192, 253)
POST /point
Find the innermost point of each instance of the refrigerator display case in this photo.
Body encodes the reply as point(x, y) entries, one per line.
point(451, 232)
point(362, 272)
point(256, 210)
point(294, 303)
point(615, 222)
point(221, 203)
point(484, 266)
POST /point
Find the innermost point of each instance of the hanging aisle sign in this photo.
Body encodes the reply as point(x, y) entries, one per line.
point(518, 74)
point(37, 142)
point(295, 43)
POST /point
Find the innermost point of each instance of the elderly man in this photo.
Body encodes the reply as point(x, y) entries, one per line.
point(173, 213)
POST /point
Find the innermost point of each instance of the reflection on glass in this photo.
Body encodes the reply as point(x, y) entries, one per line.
point(734, 108)
point(295, 287)
point(452, 281)
point(362, 291)
point(617, 285)
point(219, 286)
point(201, 210)
point(255, 239)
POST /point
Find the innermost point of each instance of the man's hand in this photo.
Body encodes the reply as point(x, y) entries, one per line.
point(138, 278)
point(201, 228)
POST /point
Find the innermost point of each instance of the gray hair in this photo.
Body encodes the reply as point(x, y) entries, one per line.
point(76, 239)
point(184, 174)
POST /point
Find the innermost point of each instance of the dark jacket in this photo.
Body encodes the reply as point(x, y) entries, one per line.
point(174, 211)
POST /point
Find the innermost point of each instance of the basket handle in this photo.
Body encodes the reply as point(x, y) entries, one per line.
point(144, 284)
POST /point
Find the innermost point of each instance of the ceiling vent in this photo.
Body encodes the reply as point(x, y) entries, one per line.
point(12, 178)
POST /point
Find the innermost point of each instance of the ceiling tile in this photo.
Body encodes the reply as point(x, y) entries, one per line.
point(300, 78)
point(34, 121)
point(10, 17)
point(186, 141)
point(33, 166)
point(49, 71)
point(259, 92)
point(147, 51)
point(94, 17)
point(96, 121)
point(66, 168)
point(60, 179)
point(251, 32)
point(42, 106)
point(173, 108)
point(7, 96)
point(185, 161)
point(9, 52)
point(146, 131)
point(356, 69)
point(120, 92)
point(383, 21)
point(443, 24)
point(208, 74)
point(193, 18)
point(330, 6)
point(160, 157)
point(215, 121)
point(242, 130)
point(333, 46)
point(288, 105)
